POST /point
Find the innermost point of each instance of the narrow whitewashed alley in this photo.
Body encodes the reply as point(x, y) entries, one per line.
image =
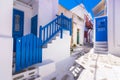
point(59, 40)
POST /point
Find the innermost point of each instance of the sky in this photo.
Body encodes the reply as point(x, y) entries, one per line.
point(89, 4)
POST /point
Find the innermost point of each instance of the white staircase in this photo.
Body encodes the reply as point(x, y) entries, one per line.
point(101, 47)
point(55, 42)
point(58, 49)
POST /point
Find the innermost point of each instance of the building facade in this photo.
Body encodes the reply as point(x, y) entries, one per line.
point(79, 23)
point(78, 14)
point(109, 9)
point(113, 27)
point(100, 9)
point(100, 13)
point(31, 36)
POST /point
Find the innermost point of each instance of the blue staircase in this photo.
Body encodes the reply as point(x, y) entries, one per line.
point(29, 47)
point(50, 30)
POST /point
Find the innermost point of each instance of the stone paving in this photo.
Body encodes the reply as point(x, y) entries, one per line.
point(99, 66)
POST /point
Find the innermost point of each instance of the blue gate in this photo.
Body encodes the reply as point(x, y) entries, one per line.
point(28, 52)
point(29, 47)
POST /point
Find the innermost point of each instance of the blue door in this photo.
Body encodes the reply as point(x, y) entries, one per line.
point(101, 29)
point(18, 25)
point(34, 22)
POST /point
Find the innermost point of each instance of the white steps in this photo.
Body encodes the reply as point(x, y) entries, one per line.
point(37, 71)
point(29, 74)
point(59, 49)
point(101, 47)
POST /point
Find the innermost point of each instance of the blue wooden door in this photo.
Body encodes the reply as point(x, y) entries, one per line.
point(34, 22)
point(101, 29)
point(18, 25)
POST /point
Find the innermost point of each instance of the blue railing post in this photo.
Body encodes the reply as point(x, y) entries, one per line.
point(61, 30)
point(70, 26)
point(18, 54)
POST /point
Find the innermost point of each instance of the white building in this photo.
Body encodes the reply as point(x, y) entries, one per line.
point(109, 9)
point(100, 9)
point(19, 18)
point(113, 27)
point(79, 13)
point(63, 10)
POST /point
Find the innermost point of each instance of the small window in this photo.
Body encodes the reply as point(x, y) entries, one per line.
point(17, 23)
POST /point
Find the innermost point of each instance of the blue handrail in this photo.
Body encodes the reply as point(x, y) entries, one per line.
point(48, 31)
point(67, 23)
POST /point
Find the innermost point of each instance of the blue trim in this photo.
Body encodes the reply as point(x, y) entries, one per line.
point(34, 24)
point(62, 24)
point(70, 27)
point(17, 34)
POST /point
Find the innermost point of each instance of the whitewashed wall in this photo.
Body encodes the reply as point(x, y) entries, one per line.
point(78, 24)
point(74, 33)
point(55, 8)
point(6, 42)
point(78, 10)
point(114, 27)
point(6, 13)
point(27, 15)
point(81, 33)
point(6, 55)
point(47, 11)
point(78, 18)
point(35, 6)
point(59, 49)
point(59, 53)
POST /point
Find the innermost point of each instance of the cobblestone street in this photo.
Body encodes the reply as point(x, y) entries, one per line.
point(99, 67)
point(93, 66)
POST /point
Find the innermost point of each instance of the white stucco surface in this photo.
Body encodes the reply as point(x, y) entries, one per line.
point(6, 8)
point(35, 6)
point(59, 49)
point(6, 17)
point(6, 49)
point(113, 27)
point(47, 11)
